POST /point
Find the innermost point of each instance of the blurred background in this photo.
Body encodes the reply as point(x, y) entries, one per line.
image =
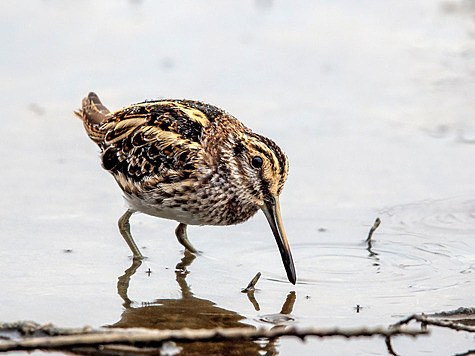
point(372, 101)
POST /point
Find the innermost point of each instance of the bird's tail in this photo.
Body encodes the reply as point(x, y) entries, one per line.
point(93, 113)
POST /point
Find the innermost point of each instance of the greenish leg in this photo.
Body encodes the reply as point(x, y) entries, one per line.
point(182, 237)
point(124, 228)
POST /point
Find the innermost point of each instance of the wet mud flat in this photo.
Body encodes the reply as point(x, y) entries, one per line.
point(373, 106)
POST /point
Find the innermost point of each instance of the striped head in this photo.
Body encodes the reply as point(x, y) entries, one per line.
point(261, 165)
point(259, 169)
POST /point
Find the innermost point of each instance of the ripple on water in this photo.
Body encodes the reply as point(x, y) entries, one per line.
point(420, 247)
point(455, 216)
point(391, 268)
point(335, 263)
point(277, 319)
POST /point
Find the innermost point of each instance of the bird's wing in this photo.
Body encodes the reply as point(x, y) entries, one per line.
point(153, 143)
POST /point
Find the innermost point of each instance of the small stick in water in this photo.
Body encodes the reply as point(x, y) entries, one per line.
point(389, 346)
point(252, 284)
point(373, 228)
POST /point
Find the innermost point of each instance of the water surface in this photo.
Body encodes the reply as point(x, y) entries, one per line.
point(373, 103)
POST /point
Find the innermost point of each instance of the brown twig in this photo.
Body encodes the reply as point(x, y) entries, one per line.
point(377, 222)
point(424, 320)
point(113, 349)
point(252, 284)
point(141, 337)
point(460, 312)
point(30, 327)
point(389, 346)
point(436, 322)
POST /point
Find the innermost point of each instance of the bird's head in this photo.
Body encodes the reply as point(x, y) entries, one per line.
point(262, 168)
point(262, 165)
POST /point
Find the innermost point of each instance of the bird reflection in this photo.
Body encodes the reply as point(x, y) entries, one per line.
point(196, 313)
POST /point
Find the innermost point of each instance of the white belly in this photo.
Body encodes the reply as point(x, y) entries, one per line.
point(185, 217)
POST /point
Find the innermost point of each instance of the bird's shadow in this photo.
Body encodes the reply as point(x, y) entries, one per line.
point(189, 311)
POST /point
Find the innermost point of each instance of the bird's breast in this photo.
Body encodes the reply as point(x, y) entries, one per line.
point(204, 204)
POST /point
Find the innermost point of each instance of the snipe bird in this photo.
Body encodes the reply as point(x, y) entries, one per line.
point(191, 162)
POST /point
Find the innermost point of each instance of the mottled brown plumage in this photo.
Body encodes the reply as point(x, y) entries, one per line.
point(190, 162)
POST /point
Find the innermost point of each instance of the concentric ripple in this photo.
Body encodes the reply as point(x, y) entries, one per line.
point(353, 264)
point(422, 254)
point(394, 267)
point(454, 216)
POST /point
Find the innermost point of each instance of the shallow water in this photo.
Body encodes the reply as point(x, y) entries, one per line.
point(373, 104)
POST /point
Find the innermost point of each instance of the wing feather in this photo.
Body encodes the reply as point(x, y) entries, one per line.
point(157, 143)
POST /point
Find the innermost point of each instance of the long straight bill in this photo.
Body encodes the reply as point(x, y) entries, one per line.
point(271, 210)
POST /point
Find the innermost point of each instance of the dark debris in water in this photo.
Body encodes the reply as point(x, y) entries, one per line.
point(461, 315)
point(460, 311)
point(252, 284)
point(376, 224)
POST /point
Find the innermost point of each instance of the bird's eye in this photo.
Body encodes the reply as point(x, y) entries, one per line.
point(257, 162)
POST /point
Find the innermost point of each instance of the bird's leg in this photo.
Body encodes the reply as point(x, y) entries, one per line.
point(124, 228)
point(180, 232)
